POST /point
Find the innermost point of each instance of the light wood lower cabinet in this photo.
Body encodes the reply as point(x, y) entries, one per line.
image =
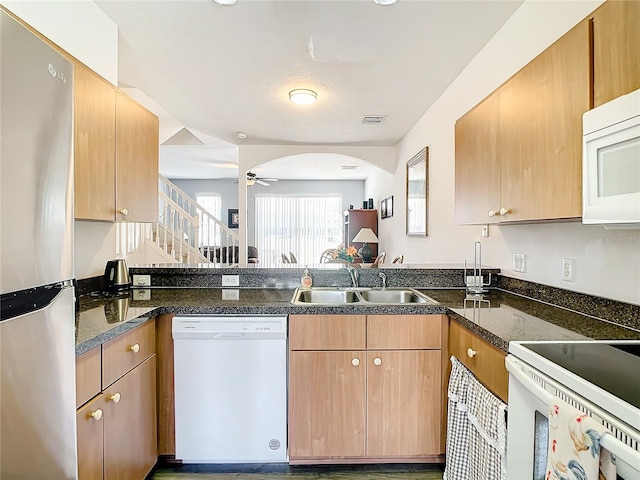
point(117, 428)
point(483, 359)
point(372, 393)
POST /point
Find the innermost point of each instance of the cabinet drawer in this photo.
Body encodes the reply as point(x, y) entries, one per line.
point(88, 375)
point(126, 351)
point(327, 332)
point(404, 332)
point(486, 362)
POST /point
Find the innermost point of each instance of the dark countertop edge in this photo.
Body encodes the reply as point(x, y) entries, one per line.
point(104, 337)
point(485, 334)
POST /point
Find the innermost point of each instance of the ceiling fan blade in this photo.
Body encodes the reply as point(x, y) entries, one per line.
point(262, 182)
point(269, 179)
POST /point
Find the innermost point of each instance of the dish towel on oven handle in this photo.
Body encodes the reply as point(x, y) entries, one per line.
point(574, 446)
point(476, 429)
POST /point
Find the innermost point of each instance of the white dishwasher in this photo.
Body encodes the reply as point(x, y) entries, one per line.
point(230, 379)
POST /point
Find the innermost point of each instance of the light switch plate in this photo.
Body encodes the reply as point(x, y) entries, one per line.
point(519, 262)
point(142, 280)
point(230, 280)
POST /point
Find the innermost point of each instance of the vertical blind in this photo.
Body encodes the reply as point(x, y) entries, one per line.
point(304, 225)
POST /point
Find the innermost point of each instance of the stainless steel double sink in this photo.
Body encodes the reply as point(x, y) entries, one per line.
point(360, 295)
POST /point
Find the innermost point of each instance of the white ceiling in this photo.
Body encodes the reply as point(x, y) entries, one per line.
point(219, 70)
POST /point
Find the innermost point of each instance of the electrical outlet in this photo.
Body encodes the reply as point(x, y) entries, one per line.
point(230, 280)
point(142, 280)
point(519, 262)
point(231, 294)
point(485, 231)
point(569, 269)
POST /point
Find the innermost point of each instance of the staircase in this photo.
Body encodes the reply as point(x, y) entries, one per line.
point(187, 233)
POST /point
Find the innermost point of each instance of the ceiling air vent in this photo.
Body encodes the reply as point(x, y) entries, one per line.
point(373, 119)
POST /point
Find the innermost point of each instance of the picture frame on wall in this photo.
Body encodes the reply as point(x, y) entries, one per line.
point(386, 207)
point(234, 218)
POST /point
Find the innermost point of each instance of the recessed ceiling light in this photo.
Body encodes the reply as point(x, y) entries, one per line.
point(241, 135)
point(385, 2)
point(225, 2)
point(303, 96)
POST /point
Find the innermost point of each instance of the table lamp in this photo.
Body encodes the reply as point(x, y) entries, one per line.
point(366, 236)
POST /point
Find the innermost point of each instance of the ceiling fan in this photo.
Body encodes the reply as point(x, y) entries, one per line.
point(253, 178)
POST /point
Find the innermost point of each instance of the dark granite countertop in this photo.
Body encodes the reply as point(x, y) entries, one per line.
point(510, 316)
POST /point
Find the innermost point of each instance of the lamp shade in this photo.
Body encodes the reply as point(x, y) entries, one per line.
point(365, 235)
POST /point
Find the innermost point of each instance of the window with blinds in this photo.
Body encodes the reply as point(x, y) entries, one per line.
point(304, 225)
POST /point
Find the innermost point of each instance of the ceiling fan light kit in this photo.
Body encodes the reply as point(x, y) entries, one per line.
point(303, 96)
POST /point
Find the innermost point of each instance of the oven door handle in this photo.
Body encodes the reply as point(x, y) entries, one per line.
point(518, 370)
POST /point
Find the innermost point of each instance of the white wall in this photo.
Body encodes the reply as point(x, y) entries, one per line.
point(607, 262)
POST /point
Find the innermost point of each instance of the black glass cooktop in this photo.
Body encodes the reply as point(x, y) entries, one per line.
point(614, 367)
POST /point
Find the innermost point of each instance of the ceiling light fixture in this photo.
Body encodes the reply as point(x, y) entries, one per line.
point(225, 2)
point(241, 135)
point(385, 2)
point(303, 96)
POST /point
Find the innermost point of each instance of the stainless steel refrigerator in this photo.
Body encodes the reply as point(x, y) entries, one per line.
point(37, 316)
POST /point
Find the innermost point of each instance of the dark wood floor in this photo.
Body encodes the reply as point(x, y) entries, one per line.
point(284, 472)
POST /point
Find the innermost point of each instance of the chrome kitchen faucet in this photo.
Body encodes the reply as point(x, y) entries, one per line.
point(354, 275)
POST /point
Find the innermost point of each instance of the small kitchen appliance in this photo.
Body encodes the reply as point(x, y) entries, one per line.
point(116, 275)
point(611, 163)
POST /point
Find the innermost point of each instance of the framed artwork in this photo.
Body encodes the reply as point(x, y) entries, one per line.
point(418, 193)
point(386, 207)
point(234, 218)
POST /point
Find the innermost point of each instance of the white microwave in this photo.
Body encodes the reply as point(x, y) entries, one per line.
point(611, 163)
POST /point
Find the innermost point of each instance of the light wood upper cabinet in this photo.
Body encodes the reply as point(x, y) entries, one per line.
point(136, 162)
point(616, 50)
point(537, 139)
point(541, 132)
point(483, 359)
point(477, 165)
point(94, 156)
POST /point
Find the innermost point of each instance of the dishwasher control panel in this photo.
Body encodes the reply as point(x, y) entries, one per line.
point(229, 326)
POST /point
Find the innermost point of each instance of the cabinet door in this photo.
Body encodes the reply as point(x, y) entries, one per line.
point(483, 359)
point(541, 132)
point(403, 332)
point(90, 422)
point(326, 404)
point(616, 50)
point(404, 403)
point(94, 137)
point(136, 162)
point(130, 438)
point(477, 165)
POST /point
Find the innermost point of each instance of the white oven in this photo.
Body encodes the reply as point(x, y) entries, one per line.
point(611, 162)
point(538, 371)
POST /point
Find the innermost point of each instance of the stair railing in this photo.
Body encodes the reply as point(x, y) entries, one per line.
point(189, 232)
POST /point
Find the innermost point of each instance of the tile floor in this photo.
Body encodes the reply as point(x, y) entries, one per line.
point(284, 472)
